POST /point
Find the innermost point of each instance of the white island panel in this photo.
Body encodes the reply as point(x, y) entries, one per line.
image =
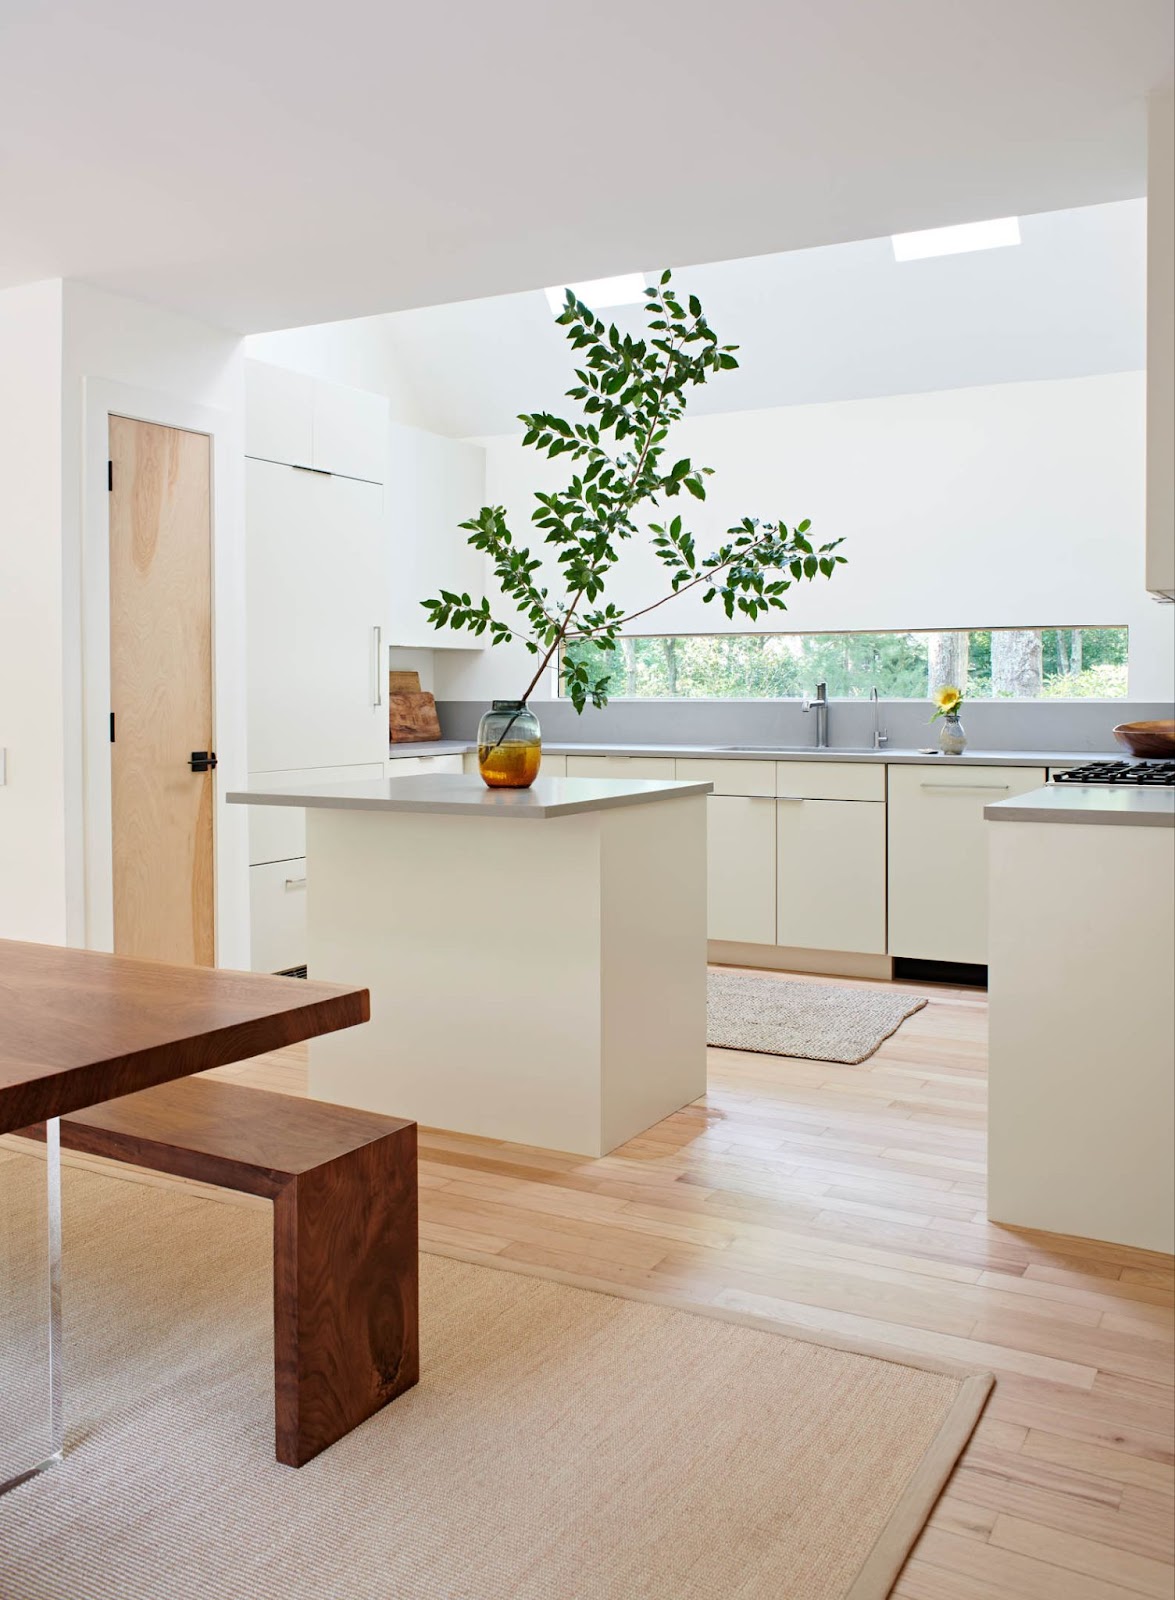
point(542, 984)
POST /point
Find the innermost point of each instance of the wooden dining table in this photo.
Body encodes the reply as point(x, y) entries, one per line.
point(78, 1027)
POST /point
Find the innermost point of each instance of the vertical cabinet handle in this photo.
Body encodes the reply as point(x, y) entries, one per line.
point(377, 687)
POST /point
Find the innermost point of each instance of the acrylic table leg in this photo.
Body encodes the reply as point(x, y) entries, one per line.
point(39, 1283)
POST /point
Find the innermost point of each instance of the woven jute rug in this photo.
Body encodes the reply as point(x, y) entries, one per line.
point(563, 1444)
point(788, 1017)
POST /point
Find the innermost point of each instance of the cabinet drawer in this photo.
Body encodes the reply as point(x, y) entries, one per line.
point(730, 777)
point(621, 767)
point(831, 881)
point(740, 852)
point(830, 780)
point(277, 900)
point(938, 857)
point(278, 833)
point(413, 766)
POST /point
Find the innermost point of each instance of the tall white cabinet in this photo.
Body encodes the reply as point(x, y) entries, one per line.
point(317, 620)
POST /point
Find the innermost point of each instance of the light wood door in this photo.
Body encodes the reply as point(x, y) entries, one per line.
point(161, 692)
point(938, 857)
point(740, 862)
point(831, 875)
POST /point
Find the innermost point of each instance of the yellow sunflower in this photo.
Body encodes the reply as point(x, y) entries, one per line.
point(947, 699)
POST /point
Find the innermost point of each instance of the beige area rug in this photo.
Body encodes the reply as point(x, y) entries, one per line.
point(816, 1021)
point(563, 1444)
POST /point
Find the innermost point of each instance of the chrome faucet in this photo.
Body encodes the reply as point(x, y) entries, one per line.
point(880, 734)
point(820, 702)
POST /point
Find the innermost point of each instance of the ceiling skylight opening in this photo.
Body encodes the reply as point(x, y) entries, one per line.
point(626, 290)
point(956, 241)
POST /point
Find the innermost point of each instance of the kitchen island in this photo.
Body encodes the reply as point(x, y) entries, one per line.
point(1082, 997)
point(536, 957)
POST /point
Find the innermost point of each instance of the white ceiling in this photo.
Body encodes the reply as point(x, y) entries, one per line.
point(267, 165)
point(837, 323)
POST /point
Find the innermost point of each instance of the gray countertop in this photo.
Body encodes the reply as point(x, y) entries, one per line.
point(1089, 803)
point(458, 794)
point(700, 752)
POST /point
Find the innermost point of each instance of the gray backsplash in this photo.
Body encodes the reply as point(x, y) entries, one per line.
point(1069, 725)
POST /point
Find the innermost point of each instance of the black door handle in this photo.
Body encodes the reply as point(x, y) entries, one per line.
point(203, 760)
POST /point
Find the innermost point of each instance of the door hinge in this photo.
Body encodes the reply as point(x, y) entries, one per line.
point(203, 761)
point(110, 476)
point(112, 727)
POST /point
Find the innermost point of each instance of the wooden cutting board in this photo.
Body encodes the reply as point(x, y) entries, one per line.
point(412, 718)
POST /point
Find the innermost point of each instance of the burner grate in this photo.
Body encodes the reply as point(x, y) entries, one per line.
point(1131, 774)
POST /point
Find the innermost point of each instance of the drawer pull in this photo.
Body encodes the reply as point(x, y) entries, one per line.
point(295, 883)
point(796, 797)
point(966, 788)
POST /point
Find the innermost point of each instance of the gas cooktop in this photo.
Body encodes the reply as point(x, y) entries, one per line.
point(1137, 774)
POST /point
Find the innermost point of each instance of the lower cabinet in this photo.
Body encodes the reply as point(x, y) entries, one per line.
point(413, 766)
point(938, 857)
point(831, 875)
point(621, 767)
point(277, 894)
point(740, 832)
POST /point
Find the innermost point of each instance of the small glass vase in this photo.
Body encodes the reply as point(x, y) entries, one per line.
point(509, 745)
point(952, 741)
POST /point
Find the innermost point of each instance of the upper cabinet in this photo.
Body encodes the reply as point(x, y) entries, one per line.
point(1160, 349)
point(434, 484)
point(305, 422)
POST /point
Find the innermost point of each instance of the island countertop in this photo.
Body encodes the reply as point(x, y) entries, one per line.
point(460, 794)
point(1089, 803)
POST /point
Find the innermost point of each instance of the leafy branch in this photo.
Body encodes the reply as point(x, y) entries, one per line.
point(630, 393)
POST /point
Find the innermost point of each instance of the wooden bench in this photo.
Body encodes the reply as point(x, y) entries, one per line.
point(345, 1271)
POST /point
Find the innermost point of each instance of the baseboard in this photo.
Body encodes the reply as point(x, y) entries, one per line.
point(785, 958)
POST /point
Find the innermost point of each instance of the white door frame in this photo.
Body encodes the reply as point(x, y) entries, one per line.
point(101, 399)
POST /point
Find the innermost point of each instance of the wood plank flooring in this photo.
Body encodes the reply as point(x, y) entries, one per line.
point(850, 1199)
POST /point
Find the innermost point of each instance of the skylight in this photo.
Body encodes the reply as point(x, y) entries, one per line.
point(955, 241)
point(627, 290)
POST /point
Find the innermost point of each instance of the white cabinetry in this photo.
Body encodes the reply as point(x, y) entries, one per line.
point(621, 767)
point(305, 422)
point(314, 576)
point(938, 857)
point(831, 893)
point(413, 766)
point(434, 485)
point(740, 850)
point(316, 564)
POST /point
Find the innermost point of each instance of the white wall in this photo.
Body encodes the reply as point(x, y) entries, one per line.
point(1160, 344)
point(1014, 505)
point(32, 800)
point(123, 355)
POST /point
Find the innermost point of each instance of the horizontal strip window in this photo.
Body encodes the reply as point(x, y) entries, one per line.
point(1056, 663)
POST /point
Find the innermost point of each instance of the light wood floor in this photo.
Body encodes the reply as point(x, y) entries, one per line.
point(850, 1199)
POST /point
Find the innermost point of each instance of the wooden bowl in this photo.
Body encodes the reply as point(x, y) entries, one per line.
point(1147, 738)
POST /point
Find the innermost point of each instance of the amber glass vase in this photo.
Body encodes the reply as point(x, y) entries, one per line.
point(509, 745)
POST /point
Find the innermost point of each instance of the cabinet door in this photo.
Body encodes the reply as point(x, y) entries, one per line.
point(314, 576)
point(831, 875)
point(278, 833)
point(938, 857)
point(350, 432)
point(740, 857)
point(279, 414)
point(729, 777)
point(414, 766)
point(621, 767)
point(277, 895)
